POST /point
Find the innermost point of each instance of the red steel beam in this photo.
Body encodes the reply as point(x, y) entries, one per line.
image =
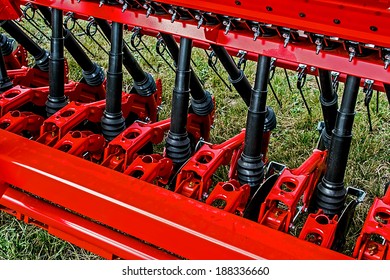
point(184, 226)
point(356, 18)
point(77, 230)
point(302, 52)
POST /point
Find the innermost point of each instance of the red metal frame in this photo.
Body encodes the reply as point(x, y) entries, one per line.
point(118, 216)
point(303, 52)
point(9, 9)
point(377, 223)
point(131, 206)
point(313, 16)
point(288, 190)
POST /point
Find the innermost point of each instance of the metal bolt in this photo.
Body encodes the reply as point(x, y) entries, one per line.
point(318, 43)
point(352, 52)
point(124, 7)
point(228, 24)
point(174, 14)
point(387, 61)
point(286, 37)
point(200, 20)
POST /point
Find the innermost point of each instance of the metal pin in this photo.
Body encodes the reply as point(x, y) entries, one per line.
point(257, 32)
point(387, 61)
point(242, 60)
point(174, 15)
point(368, 90)
point(335, 80)
point(286, 37)
point(200, 20)
point(124, 7)
point(352, 53)
point(318, 43)
point(228, 25)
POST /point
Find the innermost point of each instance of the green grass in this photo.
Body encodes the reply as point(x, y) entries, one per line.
point(292, 142)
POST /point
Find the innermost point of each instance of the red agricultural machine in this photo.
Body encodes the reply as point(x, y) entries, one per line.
point(79, 158)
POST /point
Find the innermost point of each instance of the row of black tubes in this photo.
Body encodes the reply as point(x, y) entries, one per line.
point(336, 135)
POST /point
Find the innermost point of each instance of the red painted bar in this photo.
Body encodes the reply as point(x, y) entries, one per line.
point(336, 60)
point(178, 224)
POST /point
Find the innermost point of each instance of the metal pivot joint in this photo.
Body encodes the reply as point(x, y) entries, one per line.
point(331, 192)
point(56, 99)
point(112, 121)
point(250, 166)
point(178, 146)
point(92, 73)
point(328, 99)
point(201, 101)
point(40, 55)
point(144, 83)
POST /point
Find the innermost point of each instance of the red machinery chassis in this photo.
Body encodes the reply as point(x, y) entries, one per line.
point(146, 215)
point(302, 52)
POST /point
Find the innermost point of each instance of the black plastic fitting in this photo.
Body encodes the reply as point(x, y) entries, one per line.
point(7, 45)
point(250, 166)
point(236, 76)
point(330, 191)
point(92, 73)
point(177, 145)
point(201, 101)
point(328, 100)
point(270, 120)
point(146, 87)
point(112, 121)
point(144, 83)
point(40, 55)
point(56, 99)
point(5, 81)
